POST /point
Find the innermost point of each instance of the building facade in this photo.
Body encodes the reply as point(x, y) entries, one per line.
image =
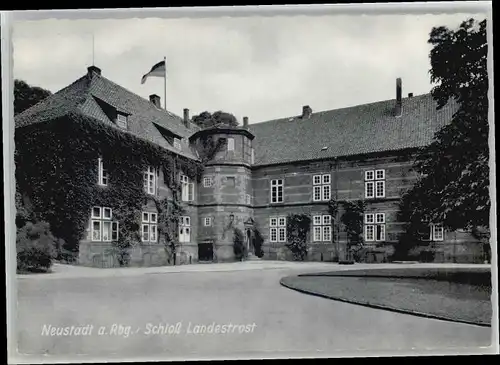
point(262, 173)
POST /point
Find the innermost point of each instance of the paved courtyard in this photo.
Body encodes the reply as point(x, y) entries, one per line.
point(129, 306)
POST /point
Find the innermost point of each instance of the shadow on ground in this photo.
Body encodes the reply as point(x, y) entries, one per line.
point(458, 294)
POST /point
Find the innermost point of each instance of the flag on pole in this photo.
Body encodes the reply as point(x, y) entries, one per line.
point(158, 70)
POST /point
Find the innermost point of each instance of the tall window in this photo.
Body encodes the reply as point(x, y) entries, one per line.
point(321, 187)
point(207, 221)
point(187, 189)
point(103, 228)
point(248, 199)
point(121, 121)
point(149, 227)
point(322, 228)
point(102, 174)
point(150, 180)
point(375, 184)
point(374, 227)
point(252, 156)
point(230, 144)
point(277, 191)
point(185, 229)
point(277, 230)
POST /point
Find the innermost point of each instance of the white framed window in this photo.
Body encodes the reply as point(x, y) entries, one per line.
point(121, 120)
point(149, 231)
point(187, 189)
point(96, 212)
point(374, 227)
point(177, 143)
point(102, 227)
point(102, 173)
point(150, 180)
point(380, 189)
point(107, 213)
point(185, 229)
point(277, 229)
point(277, 191)
point(380, 174)
point(252, 156)
point(207, 181)
point(437, 232)
point(322, 228)
point(375, 183)
point(321, 187)
point(230, 144)
point(207, 221)
point(248, 199)
point(432, 232)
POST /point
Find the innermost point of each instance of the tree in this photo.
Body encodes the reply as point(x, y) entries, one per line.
point(453, 187)
point(207, 119)
point(25, 95)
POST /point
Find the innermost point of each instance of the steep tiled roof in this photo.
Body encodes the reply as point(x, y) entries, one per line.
point(87, 95)
point(361, 129)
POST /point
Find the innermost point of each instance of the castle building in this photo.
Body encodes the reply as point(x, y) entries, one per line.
point(263, 173)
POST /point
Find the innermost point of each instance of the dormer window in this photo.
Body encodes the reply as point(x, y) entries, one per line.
point(177, 143)
point(121, 121)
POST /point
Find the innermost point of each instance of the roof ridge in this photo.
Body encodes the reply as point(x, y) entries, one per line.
point(168, 112)
point(342, 108)
point(138, 96)
point(58, 93)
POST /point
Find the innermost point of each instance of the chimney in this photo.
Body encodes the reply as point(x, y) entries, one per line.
point(410, 95)
point(186, 117)
point(306, 111)
point(155, 99)
point(245, 122)
point(93, 70)
point(399, 108)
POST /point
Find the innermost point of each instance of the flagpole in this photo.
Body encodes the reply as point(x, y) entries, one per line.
point(165, 83)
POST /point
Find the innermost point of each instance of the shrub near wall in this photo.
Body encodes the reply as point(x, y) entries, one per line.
point(238, 244)
point(56, 167)
point(35, 247)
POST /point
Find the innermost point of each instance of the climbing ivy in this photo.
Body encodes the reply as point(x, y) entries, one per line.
point(351, 220)
point(297, 228)
point(208, 146)
point(56, 171)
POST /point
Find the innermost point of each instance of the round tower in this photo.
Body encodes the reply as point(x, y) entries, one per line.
point(225, 194)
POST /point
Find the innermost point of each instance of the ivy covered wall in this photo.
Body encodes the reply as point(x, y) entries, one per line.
point(56, 178)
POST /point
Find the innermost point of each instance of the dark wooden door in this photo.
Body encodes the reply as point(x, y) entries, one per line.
point(205, 251)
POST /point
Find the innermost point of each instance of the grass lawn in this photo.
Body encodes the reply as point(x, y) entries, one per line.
point(462, 295)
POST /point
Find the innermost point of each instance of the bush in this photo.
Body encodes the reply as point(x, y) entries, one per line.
point(258, 242)
point(404, 249)
point(238, 244)
point(35, 247)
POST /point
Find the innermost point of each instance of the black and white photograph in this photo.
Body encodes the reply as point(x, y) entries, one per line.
point(249, 182)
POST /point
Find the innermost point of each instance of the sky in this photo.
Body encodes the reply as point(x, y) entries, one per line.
point(261, 67)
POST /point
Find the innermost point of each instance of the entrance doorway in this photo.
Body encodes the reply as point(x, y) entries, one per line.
point(206, 251)
point(249, 243)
